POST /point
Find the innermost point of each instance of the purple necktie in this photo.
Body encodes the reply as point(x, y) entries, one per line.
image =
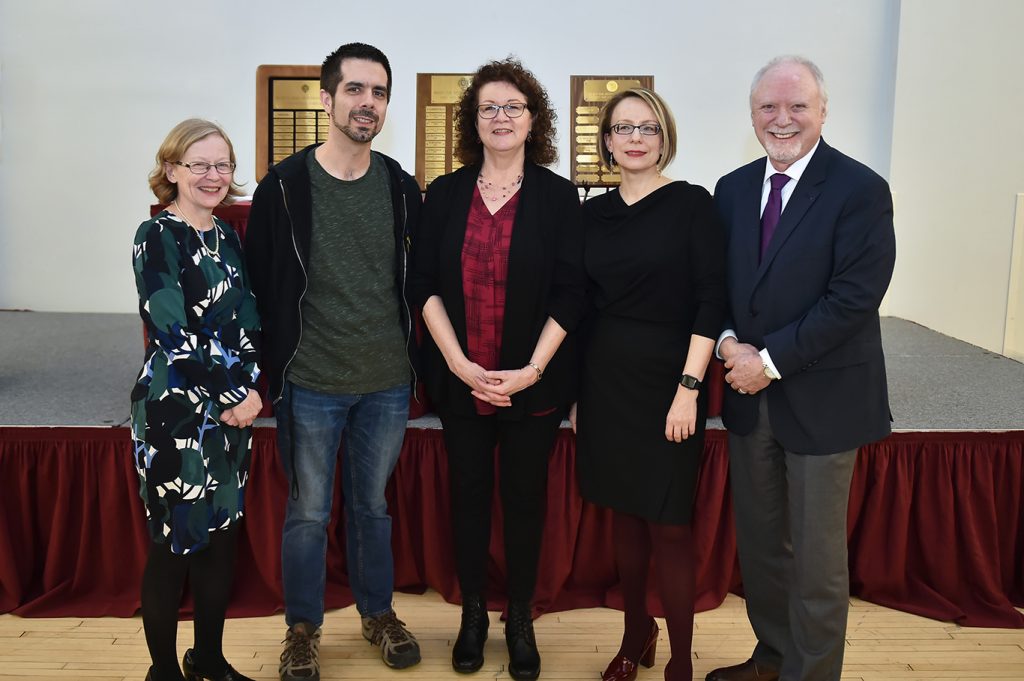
point(772, 210)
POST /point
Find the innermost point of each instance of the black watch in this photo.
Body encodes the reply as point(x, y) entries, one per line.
point(689, 382)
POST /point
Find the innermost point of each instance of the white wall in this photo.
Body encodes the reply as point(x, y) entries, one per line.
point(89, 88)
point(957, 164)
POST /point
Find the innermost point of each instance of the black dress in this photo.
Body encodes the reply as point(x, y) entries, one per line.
point(657, 275)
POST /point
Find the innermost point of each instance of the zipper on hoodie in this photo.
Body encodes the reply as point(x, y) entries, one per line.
point(305, 287)
point(406, 247)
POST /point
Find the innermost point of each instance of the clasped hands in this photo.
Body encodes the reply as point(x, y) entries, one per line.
point(495, 387)
point(243, 413)
point(744, 367)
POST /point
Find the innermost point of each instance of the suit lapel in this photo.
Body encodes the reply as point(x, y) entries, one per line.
point(749, 218)
point(804, 196)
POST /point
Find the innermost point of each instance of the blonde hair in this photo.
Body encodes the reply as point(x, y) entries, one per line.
point(178, 140)
point(661, 113)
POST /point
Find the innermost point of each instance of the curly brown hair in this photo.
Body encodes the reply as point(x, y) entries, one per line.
point(540, 145)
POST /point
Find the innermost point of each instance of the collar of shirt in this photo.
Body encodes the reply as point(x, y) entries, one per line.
point(794, 171)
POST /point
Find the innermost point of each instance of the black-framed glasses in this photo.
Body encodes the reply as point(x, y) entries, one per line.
point(648, 129)
point(512, 109)
point(201, 167)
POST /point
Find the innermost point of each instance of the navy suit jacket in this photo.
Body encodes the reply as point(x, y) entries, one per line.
point(813, 301)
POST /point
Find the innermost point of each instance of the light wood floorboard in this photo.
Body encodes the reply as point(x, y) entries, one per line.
point(882, 645)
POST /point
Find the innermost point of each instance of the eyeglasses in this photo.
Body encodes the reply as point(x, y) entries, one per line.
point(648, 129)
point(201, 167)
point(512, 110)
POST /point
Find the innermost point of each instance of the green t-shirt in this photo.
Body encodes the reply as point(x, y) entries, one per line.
point(352, 340)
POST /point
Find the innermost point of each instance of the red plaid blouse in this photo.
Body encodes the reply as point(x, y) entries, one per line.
point(484, 274)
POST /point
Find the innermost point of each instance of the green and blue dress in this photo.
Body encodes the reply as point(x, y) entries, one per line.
point(201, 358)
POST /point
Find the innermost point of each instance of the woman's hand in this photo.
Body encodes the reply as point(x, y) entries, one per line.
point(572, 416)
point(474, 375)
point(244, 413)
point(682, 415)
point(504, 384)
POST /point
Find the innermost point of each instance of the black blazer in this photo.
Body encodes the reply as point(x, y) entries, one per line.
point(545, 278)
point(813, 301)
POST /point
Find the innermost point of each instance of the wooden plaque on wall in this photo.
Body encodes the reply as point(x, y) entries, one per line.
point(587, 94)
point(289, 115)
point(437, 99)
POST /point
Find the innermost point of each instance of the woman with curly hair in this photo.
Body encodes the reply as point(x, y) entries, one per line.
point(498, 274)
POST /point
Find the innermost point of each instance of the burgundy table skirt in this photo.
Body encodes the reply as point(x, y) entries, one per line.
point(936, 528)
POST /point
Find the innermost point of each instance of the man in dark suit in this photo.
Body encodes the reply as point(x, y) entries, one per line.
point(811, 249)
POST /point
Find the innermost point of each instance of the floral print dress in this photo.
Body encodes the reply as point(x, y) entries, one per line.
point(201, 323)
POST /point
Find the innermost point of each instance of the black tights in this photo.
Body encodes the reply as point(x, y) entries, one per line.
point(635, 540)
point(210, 574)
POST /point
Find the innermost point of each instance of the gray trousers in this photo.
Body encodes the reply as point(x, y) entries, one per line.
point(791, 536)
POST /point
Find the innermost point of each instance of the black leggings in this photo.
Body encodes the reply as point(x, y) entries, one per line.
point(524, 449)
point(210, 574)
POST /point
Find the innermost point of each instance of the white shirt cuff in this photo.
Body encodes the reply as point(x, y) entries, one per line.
point(728, 333)
point(767, 360)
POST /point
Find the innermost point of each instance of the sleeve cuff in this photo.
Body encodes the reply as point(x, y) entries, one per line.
point(728, 333)
point(772, 372)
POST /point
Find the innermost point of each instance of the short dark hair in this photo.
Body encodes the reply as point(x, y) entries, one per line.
point(330, 72)
point(540, 146)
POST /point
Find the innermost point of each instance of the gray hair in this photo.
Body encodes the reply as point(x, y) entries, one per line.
point(819, 77)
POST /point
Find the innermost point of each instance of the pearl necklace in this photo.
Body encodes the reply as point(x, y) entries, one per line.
point(490, 191)
point(216, 232)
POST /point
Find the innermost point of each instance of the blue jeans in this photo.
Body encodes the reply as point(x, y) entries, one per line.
point(311, 425)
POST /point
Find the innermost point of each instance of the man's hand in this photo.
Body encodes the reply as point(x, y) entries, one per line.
point(746, 370)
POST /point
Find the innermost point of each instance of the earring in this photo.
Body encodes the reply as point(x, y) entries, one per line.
point(529, 135)
point(611, 158)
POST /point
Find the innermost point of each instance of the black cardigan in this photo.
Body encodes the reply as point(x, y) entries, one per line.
point(545, 279)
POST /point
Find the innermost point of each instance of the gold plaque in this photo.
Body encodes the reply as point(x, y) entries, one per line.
point(448, 89)
point(437, 97)
point(601, 90)
point(587, 94)
point(289, 115)
point(296, 94)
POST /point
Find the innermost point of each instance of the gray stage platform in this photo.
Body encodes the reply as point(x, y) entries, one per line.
point(62, 369)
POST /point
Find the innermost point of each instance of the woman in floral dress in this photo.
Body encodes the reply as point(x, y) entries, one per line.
point(195, 398)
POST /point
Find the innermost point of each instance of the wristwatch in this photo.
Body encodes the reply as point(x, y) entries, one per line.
point(689, 382)
point(768, 373)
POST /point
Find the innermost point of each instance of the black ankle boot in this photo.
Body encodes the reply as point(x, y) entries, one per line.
point(191, 674)
point(523, 658)
point(468, 651)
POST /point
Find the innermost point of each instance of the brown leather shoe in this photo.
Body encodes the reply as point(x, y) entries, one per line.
point(748, 671)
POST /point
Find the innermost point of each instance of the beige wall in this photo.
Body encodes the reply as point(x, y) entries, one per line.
point(89, 89)
point(957, 164)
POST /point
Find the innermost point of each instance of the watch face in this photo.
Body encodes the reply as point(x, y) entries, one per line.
point(688, 381)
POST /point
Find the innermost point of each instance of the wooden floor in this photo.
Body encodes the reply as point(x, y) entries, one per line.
point(882, 645)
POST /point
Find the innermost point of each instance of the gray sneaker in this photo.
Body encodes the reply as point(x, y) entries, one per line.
point(300, 660)
point(398, 648)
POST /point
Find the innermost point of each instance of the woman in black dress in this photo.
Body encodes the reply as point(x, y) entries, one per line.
point(654, 257)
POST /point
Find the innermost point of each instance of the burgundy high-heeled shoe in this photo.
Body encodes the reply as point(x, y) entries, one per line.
point(621, 668)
